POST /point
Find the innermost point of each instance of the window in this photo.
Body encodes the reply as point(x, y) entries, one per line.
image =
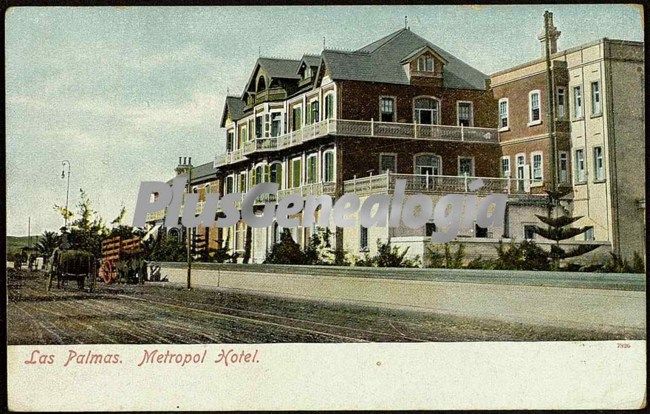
point(363, 238)
point(503, 113)
point(425, 64)
point(536, 161)
point(296, 171)
point(312, 116)
point(529, 231)
point(580, 166)
point(466, 166)
point(311, 169)
point(275, 173)
point(307, 73)
point(387, 162)
point(243, 132)
point(521, 172)
point(230, 141)
point(329, 106)
point(328, 166)
point(465, 114)
point(599, 167)
point(481, 232)
point(276, 123)
point(230, 181)
point(427, 164)
point(589, 234)
point(258, 175)
point(561, 102)
point(296, 117)
point(387, 109)
point(596, 108)
point(577, 102)
point(259, 126)
point(241, 186)
point(534, 116)
point(564, 167)
point(505, 167)
point(426, 111)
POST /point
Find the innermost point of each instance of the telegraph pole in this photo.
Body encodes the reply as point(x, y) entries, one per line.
point(551, 98)
point(67, 192)
point(189, 229)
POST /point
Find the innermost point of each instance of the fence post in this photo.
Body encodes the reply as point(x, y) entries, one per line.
point(415, 130)
point(370, 181)
point(354, 183)
point(462, 132)
point(372, 127)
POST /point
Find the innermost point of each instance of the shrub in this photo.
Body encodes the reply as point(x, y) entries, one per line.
point(287, 251)
point(446, 259)
point(388, 256)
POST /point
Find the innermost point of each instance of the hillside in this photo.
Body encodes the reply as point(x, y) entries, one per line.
point(15, 243)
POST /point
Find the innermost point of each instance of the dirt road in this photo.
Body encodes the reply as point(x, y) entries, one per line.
point(164, 314)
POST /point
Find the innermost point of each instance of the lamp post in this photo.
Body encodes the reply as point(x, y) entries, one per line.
point(67, 192)
point(185, 165)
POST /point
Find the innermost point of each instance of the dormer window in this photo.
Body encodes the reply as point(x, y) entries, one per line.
point(307, 73)
point(425, 64)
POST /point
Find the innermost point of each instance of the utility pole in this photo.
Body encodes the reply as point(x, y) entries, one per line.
point(189, 229)
point(29, 232)
point(67, 192)
point(551, 98)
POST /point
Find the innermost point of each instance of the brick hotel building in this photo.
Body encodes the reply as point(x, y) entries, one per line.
point(402, 108)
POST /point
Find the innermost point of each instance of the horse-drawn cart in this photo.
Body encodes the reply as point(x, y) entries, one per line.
point(77, 265)
point(117, 258)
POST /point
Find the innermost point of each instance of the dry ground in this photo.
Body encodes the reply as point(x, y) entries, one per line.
point(163, 314)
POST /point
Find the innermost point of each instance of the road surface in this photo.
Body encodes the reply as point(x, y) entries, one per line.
point(162, 314)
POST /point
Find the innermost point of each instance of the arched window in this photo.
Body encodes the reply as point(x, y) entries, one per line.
point(428, 164)
point(426, 111)
point(328, 166)
point(261, 84)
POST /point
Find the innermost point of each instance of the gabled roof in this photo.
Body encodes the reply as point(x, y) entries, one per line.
point(280, 68)
point(276, 69)
point(381, 61)
point(235, 106)
point(421, 50)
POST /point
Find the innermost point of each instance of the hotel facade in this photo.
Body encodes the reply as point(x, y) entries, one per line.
point(401, 108)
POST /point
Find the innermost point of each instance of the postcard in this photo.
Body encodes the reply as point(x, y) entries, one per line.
point(353, 207)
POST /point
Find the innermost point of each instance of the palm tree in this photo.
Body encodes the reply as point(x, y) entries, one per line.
point(47, 243)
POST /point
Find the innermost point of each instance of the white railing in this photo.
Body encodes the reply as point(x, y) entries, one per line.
point(435, 184)
point(346, 127)
point(308, 189)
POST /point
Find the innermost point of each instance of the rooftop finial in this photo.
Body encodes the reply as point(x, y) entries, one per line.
point(406, 22)
point(323, 42)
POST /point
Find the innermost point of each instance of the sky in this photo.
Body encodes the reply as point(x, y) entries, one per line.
point(122, 92)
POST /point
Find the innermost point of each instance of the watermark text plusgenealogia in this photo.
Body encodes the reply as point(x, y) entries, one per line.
point(451, 213)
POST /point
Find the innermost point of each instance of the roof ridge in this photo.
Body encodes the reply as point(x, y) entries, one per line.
point(278, 58)
point(382, 41)
point(360, 52)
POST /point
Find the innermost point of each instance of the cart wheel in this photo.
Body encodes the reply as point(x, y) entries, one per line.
point(106, 272)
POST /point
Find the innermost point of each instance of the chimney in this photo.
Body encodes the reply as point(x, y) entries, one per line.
point(553, 34)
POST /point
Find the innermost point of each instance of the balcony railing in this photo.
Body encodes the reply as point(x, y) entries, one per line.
point(346, 127)
point(308, 189)
point(435, 184)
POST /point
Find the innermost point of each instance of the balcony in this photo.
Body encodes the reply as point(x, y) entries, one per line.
point(435, 184)
point(308, 189)
point(343, 127)
point(155, 216)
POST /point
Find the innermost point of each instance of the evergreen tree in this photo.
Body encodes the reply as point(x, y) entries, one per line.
point(558, 229)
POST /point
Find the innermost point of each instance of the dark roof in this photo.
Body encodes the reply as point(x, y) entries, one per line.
point(280, 68)
point(311, 60)
point(235, 105)
point(380, 61)
point(203, 171)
